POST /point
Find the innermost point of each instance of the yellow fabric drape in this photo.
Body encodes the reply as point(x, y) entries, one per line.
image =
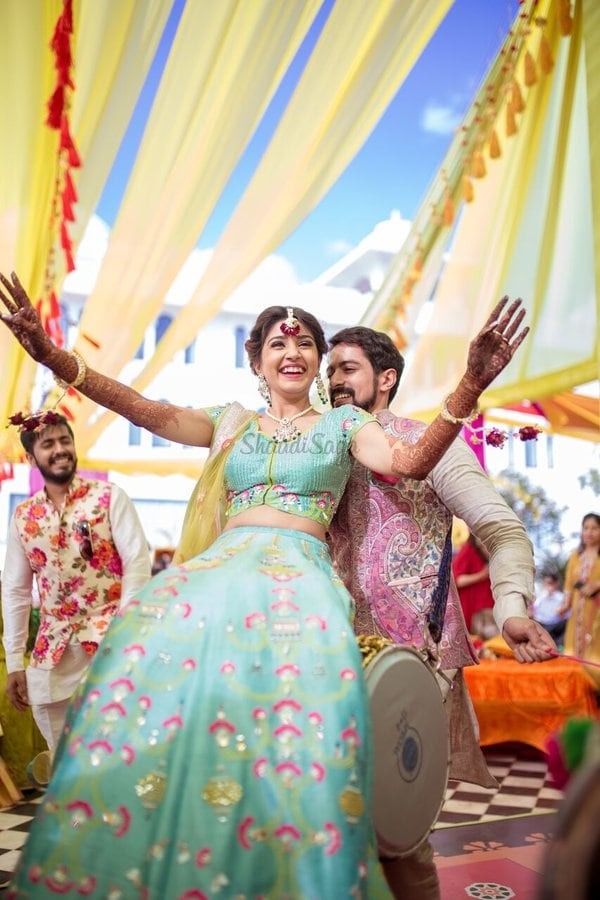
point(227, 60)
point(529, 232)
point(361, 58)
point(113, 45)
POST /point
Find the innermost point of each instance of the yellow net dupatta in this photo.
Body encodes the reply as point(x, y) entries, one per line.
point(204, 516)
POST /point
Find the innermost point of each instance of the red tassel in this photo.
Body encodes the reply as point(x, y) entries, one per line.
point(54, 310)
point(69, 190)
point(67, 245)
point(67, 209)
point(66, 143)
point(66, 412)
point(56, 105)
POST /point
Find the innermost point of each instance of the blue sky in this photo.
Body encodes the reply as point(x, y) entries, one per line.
point(398, 162)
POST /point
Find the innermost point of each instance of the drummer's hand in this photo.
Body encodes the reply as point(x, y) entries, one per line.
point(20, 317)
point(528, 640)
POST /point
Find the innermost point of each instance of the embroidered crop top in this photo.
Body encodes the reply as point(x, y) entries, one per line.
point(305, 477)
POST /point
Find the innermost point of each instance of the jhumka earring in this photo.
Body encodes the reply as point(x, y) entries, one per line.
point(321, 390)
point(263, 389)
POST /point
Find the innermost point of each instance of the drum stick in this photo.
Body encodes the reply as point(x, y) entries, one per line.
point(578, 659)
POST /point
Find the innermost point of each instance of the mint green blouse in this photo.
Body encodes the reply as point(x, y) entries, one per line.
point(305, 476)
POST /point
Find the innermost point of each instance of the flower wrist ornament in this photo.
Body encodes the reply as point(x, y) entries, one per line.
point(494, 437)
point(457, 420)
point(79, 377)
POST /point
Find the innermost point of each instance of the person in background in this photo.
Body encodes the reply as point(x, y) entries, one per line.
point(582, 596)
point(547, 607)
point(471, 571)
point(80, 543)
point(391, 542)
point(221, 743)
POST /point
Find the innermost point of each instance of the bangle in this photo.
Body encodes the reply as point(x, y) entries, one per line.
point(456, 420)
point(79, 377)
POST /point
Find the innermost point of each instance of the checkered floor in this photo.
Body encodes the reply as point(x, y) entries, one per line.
point(524, 790)
point(14, 827)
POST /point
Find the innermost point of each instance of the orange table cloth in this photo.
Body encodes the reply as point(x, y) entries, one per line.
point(526, 703)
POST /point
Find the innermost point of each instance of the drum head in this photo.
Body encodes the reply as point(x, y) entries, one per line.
point(411, 747)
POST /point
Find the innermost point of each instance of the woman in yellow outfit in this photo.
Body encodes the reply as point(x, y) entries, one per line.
point(582, 596)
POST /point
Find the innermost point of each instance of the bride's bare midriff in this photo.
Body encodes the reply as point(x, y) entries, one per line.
point(274, 518)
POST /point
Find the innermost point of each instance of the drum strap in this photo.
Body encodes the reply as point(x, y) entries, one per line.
point(437, 611)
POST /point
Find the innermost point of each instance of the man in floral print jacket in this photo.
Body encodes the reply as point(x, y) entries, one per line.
point(83, 544)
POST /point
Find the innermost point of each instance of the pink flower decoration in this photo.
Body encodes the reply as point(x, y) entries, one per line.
point(287, 832)
point(243, 829)
point(335, 840)
point(348, 674)
point(317, 771)
point(260, 767)
point(287, 704)
point(125, 822)
point(203, 857)
point(287, 730)
point(127, 754)
point(123, 682)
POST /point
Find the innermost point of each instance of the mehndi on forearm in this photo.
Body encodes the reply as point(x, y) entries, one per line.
point(417, 460)
point(109, 393)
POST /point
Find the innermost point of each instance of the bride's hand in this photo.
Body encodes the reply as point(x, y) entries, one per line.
point(23, 320)
point(495, 345)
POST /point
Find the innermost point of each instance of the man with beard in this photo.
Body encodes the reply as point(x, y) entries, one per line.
point(82, 542)
point(391, 544)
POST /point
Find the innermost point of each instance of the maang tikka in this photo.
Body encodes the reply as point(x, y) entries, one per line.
point(291, 326)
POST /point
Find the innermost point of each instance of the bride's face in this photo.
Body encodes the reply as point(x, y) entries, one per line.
point(289, 363)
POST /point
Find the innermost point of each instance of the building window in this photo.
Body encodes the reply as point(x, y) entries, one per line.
point(135, 435)
point(550, 450)
point(162, 323)
point(190, 354)
point(531, 454)
point(240, 351)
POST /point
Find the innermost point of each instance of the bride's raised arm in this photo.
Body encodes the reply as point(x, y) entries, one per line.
point(489, 353)
point(175, 423)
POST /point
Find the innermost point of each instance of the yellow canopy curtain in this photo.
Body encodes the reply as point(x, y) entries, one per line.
point(117, 41)
point(516, 208)
point(361, 57)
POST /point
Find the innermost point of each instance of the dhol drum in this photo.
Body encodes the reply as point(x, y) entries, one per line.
point(411, 746)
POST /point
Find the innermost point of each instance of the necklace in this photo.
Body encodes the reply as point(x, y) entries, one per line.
point(286, 430)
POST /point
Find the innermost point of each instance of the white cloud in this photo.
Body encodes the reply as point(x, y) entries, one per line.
point(440, 119)
point(338, 247)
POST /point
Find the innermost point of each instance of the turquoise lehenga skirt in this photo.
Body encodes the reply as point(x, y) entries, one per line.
point(220, 744)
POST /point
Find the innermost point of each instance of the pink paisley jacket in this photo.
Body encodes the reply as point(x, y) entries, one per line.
point(387, 542)
point(76, 597)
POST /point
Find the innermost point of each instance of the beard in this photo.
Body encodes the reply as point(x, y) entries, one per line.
point(63, 477)
point(366, 403)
